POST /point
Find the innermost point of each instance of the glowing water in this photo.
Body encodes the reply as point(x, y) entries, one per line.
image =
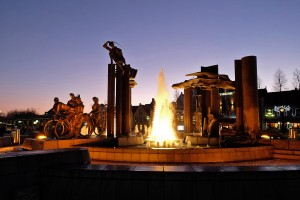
point(163, 130)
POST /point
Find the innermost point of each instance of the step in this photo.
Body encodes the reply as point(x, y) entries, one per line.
point(286, 156)
point(285, 151)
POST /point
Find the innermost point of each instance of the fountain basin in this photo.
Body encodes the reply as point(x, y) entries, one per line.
point(176, 155)
point(142, 154)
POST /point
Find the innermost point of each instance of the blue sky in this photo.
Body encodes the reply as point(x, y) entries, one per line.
point(50, 48)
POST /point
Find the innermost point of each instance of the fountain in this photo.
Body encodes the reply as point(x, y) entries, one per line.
point(162, 145)
point(72, 167)
point(163, 133)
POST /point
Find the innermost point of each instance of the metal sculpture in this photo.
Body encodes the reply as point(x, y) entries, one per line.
point(69, 121)
point(120, 82)
point(115, 53)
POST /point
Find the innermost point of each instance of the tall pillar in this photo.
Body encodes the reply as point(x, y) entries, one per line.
point(188, 118)
point(126, 102)
point(208, 101)
point(110, 100)
point(215, 104)
point(119, 99)
point(250, 95)
point(239, 95)
point(130, 108)
point(204, 109)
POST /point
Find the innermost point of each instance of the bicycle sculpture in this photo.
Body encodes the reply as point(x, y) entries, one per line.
point(91, 127)
point(69, 121)
point(95, 120)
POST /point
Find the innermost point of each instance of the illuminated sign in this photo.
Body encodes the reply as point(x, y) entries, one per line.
point(282, 108)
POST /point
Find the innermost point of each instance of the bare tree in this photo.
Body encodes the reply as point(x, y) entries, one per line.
point(259, 82)
point(296, 79)
point(280, 81)
point(176, 95)
point(15, 114)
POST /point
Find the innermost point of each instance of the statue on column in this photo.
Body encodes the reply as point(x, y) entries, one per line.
point(115, 53)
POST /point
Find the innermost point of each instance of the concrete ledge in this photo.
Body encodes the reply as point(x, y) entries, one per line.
point(36, 144)
point(26, 161)
point(282, 144)
point(9, 140)
point(20, 172)
point(6, 141)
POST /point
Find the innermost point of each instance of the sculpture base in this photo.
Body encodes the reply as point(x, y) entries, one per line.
point(199, 140)
point(130, 141)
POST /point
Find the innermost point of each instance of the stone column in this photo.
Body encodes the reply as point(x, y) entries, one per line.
point(208, 101)
point(204, 109)
point(110, 100)
point(250, 95)
point(188, 113)
point(215, 103)
point(130, 108)
point(238, 95)
point(126, 102)
point(119, 99)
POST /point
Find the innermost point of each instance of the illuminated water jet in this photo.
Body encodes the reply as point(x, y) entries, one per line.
point(163, 132)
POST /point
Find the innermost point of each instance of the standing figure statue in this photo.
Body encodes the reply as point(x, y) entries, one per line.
point(115, 53)
point(213, 127)
point(96, 113)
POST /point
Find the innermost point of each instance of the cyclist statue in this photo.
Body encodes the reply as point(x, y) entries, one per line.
point(78, 116)
point(96, 113)
point(75, 113)
point(59, 107)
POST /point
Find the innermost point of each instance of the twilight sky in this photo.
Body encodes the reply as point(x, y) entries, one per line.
point(50, 48)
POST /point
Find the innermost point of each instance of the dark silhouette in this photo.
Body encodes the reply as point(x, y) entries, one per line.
point(213, 126)
point(69, 115)
point(2, 130)
point(96, 113)
point(115, 53)
point(60, 108)
point(72, 102)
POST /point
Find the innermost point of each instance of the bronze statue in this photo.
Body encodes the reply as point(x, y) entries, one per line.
point(96, 112)
point(59, 107)
point(67, 118)
point(95, 121)
point(72, 102)
point(79, 107)
point(213, 126)
point(115, 53)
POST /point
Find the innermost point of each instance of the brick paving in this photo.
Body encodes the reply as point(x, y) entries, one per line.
point(268, 162)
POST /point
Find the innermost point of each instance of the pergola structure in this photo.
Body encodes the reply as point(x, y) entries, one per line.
point(206, 83)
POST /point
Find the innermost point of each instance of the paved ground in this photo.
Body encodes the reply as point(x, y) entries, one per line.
point(269, 162)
